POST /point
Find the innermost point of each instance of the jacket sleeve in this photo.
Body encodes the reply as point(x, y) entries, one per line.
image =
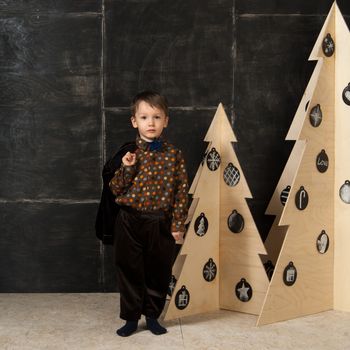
point(181, 196)
point(122, 179)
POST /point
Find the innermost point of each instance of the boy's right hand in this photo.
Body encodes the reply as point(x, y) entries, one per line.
point(129, 159)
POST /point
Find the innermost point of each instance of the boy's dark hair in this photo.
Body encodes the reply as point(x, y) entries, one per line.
point(153, 98)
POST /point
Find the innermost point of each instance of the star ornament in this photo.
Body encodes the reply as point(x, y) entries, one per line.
point(244, 290)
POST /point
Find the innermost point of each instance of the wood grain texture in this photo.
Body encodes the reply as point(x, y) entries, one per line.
point(236, 255)
point(196, 250)
point(239, 253)
point(342, 167)
point(313, 289)
point(275, 238)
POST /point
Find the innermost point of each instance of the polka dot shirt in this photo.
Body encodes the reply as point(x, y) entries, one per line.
point(158, 181)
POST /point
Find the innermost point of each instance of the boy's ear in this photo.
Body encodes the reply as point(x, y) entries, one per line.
point(166, 121)
point(133, 121)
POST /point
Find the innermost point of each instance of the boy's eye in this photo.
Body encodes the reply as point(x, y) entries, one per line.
point(157, 117)
point(143, 117)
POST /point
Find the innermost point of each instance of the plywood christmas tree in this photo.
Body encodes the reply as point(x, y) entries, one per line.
point(219, 264)
point(316, 211)
point(275, 238)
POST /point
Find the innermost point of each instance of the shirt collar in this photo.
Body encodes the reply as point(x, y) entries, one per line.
point(150, 146)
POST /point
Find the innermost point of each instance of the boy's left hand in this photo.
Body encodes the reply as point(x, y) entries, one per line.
point(177, 235)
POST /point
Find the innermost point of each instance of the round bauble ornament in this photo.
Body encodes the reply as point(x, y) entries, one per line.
point(328, 45)
point(213, 159)
point(182, 298)
point(235, 222)
point(322, 161)
point(346, 95)
point(231, 175)
point(344, 192)
point(316, 116)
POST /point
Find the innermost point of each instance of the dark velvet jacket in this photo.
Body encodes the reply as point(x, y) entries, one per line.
point(108, 208)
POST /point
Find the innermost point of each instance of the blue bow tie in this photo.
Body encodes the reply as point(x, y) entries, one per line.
point(155, 145)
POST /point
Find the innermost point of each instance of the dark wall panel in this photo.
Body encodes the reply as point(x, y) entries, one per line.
point(49, 153)
point(182, 48)
point(34, 6)
point(50, 145)
point(48, 247)
point(50, 60)
point(274, 7)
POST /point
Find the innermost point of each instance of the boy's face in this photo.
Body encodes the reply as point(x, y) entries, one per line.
point(150, 121)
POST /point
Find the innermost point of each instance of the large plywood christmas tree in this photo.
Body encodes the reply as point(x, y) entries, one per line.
point(275, 238)
point(219, 264)
point(311, 273)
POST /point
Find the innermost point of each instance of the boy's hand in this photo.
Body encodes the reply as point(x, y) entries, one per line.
point(177, 235)
point(129, 159)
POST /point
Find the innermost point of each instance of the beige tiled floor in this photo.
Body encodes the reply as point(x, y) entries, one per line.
point(89, 321)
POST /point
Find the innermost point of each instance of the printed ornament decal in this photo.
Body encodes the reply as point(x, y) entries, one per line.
point(182, 298)
point(201, 225)
point(213, 159)
point(316, 116)
point(209, 270)
point(284, 195)
point(322, 242)
point(244, 290)
point(322, 161)
point(328, 45)
point(231, 175)
point(235, 222)
point(172, 285)
point(344, 192)
point(290, 274)
point(301, 198)
point(346, 95)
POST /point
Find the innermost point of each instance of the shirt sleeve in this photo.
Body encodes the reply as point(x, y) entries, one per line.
point(122, 179)
point(181, 196)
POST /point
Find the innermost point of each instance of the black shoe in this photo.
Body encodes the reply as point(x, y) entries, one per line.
point(128, 329)
point(154, 326)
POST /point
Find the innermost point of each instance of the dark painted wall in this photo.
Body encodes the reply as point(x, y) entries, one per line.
point(50, 145)
point(68, 72)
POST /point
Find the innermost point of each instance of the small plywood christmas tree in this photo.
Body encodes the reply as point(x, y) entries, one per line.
point(219, 264)
point(315, 248)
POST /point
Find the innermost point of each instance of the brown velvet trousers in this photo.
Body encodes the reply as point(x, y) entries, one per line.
point(144, 253)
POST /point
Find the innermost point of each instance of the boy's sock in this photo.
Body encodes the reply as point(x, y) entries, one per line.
point(154, 326)
point(128, 329)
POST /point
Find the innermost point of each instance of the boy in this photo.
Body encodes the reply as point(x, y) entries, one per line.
point(151, 188)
